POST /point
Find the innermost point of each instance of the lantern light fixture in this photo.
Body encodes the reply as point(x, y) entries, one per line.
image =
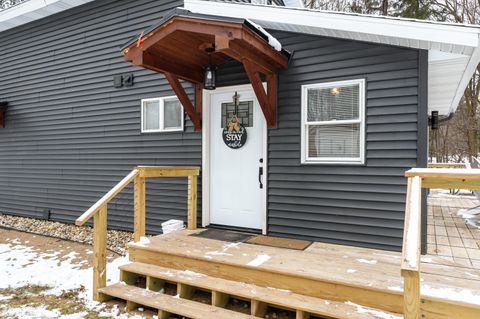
point(210, 72)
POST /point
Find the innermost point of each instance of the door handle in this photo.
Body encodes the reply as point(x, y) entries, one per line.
point(260, 173)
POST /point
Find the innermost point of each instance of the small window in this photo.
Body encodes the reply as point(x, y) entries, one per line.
point(333, 122)
point(163, 114)
point(244, 113)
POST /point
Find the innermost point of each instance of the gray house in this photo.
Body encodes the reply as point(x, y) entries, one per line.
point(318, 153)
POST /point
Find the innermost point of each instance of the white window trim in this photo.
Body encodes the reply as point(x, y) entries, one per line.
point(161, 102)
point(304, 136)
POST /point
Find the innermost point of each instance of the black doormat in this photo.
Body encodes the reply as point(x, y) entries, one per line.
point(223, 235)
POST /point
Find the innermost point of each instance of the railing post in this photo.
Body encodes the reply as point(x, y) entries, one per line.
point(139, 207)
point(192, 202)
point(411, 249)
point(411, 294)
point(99, 252)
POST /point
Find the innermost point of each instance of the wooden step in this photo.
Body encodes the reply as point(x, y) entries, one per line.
point(169, 304)
point(260, 297)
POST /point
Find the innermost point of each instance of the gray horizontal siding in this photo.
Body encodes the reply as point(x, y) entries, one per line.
point(70, 134)
point(357, 205)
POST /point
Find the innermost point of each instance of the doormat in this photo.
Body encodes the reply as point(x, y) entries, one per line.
point(279, 242)
point(223, 235)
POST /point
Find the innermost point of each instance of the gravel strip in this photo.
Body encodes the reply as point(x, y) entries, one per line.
point(116, 240)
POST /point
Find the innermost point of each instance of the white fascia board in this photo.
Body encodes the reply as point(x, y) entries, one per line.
point(32, 10)
point(467, 75)
point(409, 32)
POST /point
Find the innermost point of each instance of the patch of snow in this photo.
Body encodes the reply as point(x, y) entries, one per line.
point(377, 313)
point(143, 241)
point(278, 289)
point(366, 261)
point(456, 294)
point(224, 250)
point(395, 288)
point(351, 271)
point(272, 41)
point(259, 260)
point(412, 251)
point(426, 259)
point(22, 265)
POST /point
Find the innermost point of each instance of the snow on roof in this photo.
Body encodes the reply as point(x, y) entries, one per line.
point(31, 10)
point(453, 48)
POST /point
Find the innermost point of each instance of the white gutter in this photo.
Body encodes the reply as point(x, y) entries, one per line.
point(466, 77)
point(32, 10)
point(453, 38)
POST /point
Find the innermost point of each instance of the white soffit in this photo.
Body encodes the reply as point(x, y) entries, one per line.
point(453, 48)
point(32, 10)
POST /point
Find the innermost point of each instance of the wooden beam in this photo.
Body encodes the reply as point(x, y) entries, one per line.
point(235, 50)
point(185, 100)
point(167, 171)
point(411, 294)
point(266, 101)
point(99, 252)
point(139, 208)
point(106, 198)
point(220, 299)
point(258, 308)
point(198, 97)
point(192, 201)
point(166, 64)
point(3, 110)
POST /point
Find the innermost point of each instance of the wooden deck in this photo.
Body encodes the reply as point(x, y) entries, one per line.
point(322, 281)
point(341, 273)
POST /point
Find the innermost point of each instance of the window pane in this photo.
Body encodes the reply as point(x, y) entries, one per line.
point(334, 140)
point(333, 103)
point(244, 113)
point(151, 114)
point(173, 114)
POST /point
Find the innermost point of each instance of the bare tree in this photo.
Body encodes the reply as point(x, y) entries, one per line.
point(464, 11)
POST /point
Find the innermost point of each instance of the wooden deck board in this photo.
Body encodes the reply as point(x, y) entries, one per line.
point(352, 267)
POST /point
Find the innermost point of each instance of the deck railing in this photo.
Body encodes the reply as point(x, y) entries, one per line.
point(99, 212)
point(446, 165)
point(419, 178)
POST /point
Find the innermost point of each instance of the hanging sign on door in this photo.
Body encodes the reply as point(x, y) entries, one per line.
point(235, 134)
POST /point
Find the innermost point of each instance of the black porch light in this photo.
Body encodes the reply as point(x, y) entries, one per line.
point(210, 72)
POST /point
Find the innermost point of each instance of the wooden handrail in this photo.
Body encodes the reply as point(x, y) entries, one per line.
point(419, 178)
point(446, 165)
point(412, 227)
point(106, 198)
point(99, 213)
point(410, 265)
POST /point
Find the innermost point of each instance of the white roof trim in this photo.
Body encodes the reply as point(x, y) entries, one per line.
point(457, 43)
point(32, 10)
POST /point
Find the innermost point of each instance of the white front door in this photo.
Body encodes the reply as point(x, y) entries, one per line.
point(236, 187)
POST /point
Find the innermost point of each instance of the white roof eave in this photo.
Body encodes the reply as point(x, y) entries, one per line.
point(32, 10)
point(457, 42)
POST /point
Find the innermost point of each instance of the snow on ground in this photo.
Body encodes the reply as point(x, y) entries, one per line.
point(22, 265)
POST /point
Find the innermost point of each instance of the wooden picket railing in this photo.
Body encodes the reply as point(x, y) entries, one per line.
point(419, 178)
point(99, 212)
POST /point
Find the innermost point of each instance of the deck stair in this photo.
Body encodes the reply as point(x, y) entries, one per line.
point(260, 298)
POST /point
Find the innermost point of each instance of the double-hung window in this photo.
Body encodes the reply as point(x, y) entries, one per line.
point(333, 125)
point(164, 114)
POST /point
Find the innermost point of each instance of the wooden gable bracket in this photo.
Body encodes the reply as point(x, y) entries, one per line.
point(194, 112)
point(3, 110)
point(267, 99)
point(255, 64)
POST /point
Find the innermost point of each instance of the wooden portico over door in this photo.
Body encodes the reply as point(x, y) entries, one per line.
point(183, 43)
